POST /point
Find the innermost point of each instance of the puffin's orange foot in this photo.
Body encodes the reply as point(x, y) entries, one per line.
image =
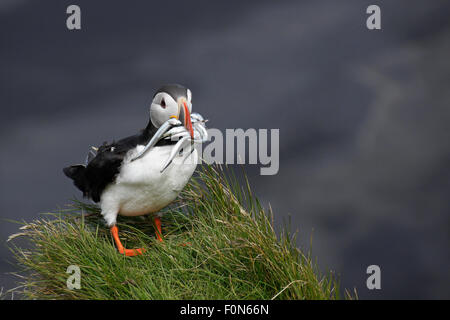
point(122, 250)
point(132, 252)
point(157, 221)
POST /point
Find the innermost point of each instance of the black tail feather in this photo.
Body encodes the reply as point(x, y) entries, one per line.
point(77, 174)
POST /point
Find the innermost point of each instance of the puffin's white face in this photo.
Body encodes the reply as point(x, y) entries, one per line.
point(164, 107)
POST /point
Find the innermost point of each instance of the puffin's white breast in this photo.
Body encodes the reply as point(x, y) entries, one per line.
point(141, 188)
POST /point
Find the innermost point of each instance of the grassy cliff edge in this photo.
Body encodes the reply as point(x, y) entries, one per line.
point(219, 244)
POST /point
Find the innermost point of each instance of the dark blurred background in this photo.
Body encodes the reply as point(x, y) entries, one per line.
point(363, 115)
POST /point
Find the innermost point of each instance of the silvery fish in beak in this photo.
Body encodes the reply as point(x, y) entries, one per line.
point(144, 173)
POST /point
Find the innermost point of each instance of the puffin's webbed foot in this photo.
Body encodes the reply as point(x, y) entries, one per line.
point(122, 250)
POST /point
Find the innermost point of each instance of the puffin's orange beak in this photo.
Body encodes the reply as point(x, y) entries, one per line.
point(187, 119)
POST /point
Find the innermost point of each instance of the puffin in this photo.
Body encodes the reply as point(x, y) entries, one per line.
point(144, 173)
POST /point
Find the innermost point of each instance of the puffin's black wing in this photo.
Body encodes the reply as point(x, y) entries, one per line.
point(93, 178)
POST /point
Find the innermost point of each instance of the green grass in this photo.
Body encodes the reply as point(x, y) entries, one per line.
point(232, 251)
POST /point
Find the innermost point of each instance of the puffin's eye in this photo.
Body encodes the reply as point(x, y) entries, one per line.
point(163, 103)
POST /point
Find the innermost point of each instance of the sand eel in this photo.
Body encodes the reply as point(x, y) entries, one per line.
point(144, 173)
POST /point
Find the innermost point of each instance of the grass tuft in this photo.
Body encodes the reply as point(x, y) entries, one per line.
point(219, 244)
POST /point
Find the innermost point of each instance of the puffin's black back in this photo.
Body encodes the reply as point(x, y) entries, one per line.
point(103, 169)
point(175, 90)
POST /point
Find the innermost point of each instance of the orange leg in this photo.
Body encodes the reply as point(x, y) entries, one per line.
point(158, 228)
point(157, 221)
point(122, 250)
